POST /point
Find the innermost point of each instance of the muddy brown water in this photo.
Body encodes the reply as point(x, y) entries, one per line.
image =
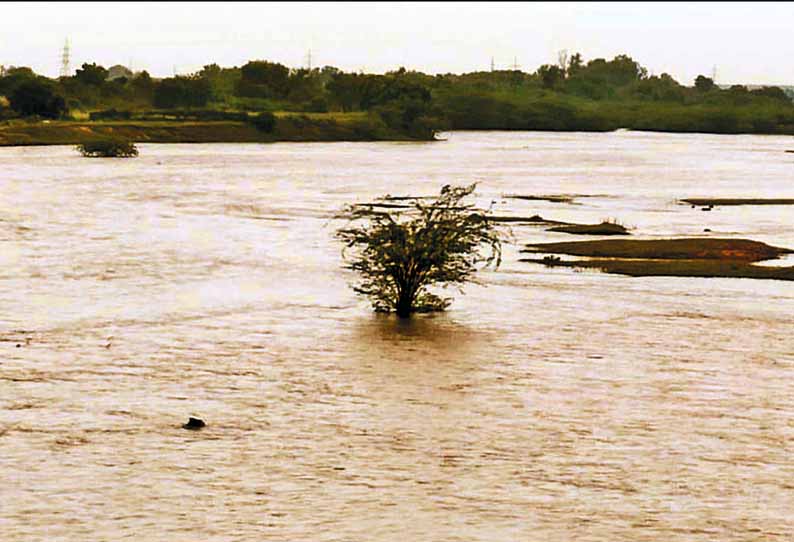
point(204, 280)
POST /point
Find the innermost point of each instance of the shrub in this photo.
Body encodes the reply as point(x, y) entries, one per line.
point(108, 149)
point(37, 97)
point(265, 122)
point(317, 105)
point(110, 114)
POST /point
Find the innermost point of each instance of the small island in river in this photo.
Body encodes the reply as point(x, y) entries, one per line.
point(686, 257)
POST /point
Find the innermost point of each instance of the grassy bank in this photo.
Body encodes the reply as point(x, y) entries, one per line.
point(316, 127)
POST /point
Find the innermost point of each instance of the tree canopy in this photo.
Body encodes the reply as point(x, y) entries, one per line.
point(573, 93)
point(36, 97)
point(182, 92)
point(91, 74)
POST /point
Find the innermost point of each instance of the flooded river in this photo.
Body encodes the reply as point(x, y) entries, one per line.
point(546, 404)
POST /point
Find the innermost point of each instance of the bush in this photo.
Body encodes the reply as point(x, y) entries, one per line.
point(181, 92)
point(264, 122)
point(400, 254)
point(110, 114)
point(108, 149)
point(36, 97)
point(317, 105)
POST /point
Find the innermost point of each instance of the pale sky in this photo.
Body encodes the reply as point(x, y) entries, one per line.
point(747, 42)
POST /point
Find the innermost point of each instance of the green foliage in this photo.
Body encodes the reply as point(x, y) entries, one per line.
point(775, 93)
point(265, 122)
point(14, 77)
point(262, 79)
point(180, 91)
point(659, 89)
point(617, 72)
point(400, 254)
point(91, 74)
point(110, 114)
point(550, 75)
point(108, 149)
point(305, 86)
point(412, 117)
point(317, 105)
point(575, 64)
point(37, 97)
point(143, 85)
point(352, 91)
point(575, 94)
point(703, 83)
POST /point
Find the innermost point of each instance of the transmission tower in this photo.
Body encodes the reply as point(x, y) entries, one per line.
point(65, 71)
point(492, 64)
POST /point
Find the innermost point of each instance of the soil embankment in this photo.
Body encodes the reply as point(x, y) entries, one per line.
point(716, 202)
point(287, 128)
point(604, 228)
point(692, 257)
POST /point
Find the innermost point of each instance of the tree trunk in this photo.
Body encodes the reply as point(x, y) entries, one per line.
point(405, 305)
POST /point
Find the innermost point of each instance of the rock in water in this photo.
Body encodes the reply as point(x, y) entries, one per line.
point(194, 424)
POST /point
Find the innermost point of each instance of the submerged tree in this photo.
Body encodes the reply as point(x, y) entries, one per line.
point(400, 252)
point(108, 149)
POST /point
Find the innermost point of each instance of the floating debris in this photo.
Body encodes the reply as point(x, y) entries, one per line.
point(194, 424)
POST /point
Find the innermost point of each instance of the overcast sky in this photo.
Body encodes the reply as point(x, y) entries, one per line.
point(747, 42)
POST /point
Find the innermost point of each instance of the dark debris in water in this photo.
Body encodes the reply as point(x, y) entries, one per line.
point(194, 424)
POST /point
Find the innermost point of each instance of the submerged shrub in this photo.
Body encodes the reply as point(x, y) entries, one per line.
point(108, 149)
point(399, 254)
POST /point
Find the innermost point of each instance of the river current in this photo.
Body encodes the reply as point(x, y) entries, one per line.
point(547, 404)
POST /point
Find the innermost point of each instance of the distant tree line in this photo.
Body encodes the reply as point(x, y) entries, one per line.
point(572, 94)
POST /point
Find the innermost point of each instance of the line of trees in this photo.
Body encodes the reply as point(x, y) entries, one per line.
point(572, 94)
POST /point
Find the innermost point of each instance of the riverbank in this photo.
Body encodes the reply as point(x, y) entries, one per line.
point(298, 128)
